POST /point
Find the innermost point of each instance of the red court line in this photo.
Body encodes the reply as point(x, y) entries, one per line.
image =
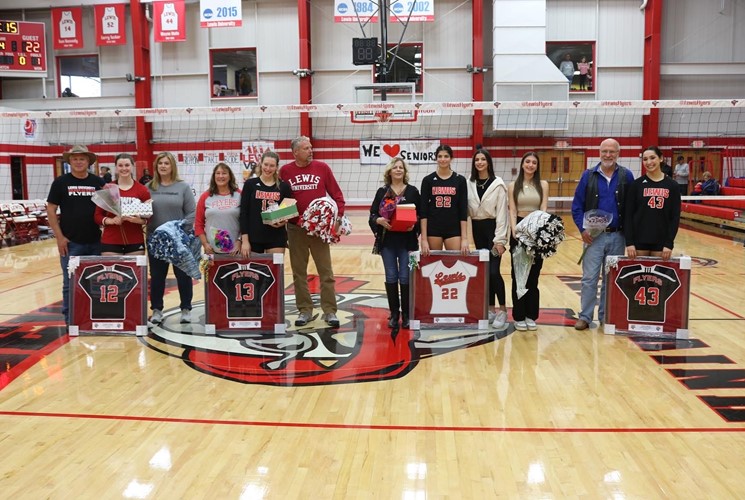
point(430, 428)
point(717, 305)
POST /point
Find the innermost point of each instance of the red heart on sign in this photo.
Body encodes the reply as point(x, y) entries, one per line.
point(392, 150)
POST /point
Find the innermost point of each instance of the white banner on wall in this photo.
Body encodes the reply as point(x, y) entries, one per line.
point(220, 13)
point(413, 152)
point(355, 11)
point(412, 11)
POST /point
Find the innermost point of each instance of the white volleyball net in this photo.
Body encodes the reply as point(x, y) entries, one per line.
point(357, 140)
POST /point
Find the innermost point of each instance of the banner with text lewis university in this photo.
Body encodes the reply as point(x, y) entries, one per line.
point(110, 24)
point(67, 27)
point(169, 20)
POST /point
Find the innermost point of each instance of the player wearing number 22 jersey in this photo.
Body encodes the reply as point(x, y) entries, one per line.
point(652, 213)
point(444, 204)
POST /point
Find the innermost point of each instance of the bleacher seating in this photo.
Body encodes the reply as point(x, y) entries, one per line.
point(724, 212)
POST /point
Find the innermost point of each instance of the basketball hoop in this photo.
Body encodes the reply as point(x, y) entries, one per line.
point(384, 116)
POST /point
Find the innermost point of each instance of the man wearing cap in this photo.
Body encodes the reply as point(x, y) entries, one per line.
point(74, 228)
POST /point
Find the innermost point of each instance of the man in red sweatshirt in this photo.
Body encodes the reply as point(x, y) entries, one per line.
point(310, 179)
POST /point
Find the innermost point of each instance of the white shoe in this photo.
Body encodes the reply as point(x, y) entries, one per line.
point(531, 324)
point(492, 315)
point(500, 320)
point(157, 317)
point(521, 326)
point(185, 316)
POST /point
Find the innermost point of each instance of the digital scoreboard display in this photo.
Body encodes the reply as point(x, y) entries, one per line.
point(22, 49)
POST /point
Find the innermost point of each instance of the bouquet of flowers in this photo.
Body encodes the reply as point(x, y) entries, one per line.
point(595, 221)
point(388, 205)
point(222, 240)
point(539, 235)
point(109, 199)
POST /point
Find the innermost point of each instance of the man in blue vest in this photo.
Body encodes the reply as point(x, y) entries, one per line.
point(602, 187)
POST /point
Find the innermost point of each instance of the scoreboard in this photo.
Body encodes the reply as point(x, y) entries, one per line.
point(22, 49)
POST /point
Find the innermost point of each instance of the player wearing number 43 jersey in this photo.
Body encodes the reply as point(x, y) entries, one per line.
point(652, 210)
point(647, 288)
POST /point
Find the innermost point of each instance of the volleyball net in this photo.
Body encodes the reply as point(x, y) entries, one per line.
point(357, 140)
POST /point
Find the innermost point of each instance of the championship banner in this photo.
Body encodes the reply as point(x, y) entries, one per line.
point(108, 294)
point(245, 295)
point(647, 296)
point(413, 152)
point(449, 289)
point(67, 27)
point(220, 13)
point(110, 24)
point(404, 11)
point(169, 20)
point(356, 11)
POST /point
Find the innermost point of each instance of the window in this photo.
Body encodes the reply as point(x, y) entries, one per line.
point(233, 73)
point(407, 66)
point(78, 76)
point(576, 61)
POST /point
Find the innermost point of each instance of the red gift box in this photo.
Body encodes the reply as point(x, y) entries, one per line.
point(404, 218)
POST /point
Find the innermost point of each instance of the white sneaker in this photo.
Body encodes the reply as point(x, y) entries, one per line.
point(500, 320)
point(157, 317)
point(492, 316)
point(331, 320)
point(521, 326)
point(531, 324)
point(185, 316)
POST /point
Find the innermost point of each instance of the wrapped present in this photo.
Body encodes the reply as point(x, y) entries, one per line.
point(132, 207)
point(277, 213)
point(404, 218)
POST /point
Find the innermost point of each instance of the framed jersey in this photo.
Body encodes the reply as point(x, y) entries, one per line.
point(449, 289)
point(108, 294)
point(648, 296)
point(245, 295)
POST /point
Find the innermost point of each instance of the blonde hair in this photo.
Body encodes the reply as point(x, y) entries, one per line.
point(389, 167)
point(156, 182)
point(270, 154)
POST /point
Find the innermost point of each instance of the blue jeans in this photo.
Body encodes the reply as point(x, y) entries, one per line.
point(603, 245)
point(73, 249)
point(396, 264)
point(158, 272)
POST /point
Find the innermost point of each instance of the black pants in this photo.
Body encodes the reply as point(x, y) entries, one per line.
point(483, 236)
point(528, 306)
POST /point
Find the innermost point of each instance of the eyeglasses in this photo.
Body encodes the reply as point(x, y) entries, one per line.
point(608, 152)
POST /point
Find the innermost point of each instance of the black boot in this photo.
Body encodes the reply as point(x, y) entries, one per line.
point(404, 305)
point(391, 290)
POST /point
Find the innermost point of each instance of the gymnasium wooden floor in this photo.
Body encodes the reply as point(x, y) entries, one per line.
point(554, 413)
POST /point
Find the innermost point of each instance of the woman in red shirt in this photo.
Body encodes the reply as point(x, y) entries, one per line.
point(123, 235)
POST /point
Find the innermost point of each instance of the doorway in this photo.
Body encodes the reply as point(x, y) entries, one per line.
point(562, 168)
point(18, 178)
point(700, 161)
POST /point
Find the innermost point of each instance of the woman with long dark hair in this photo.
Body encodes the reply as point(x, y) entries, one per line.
point(444, 206)
point(652, 210)
point(488, 208)
point(526, 194)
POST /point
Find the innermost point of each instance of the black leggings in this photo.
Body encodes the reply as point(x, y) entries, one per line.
point(483, 236)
